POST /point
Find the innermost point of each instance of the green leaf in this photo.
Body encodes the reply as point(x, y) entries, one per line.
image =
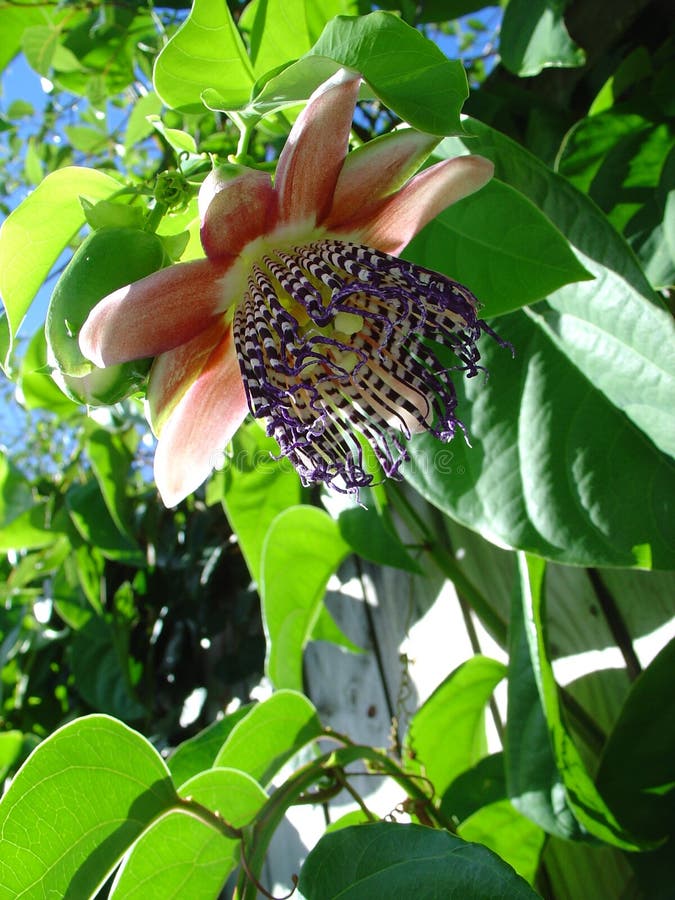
point(389, 860)
point(553, 468)
point(637, 770)
point(481, 785)
point(199, 752)
point(457, 708)
point(514, 838)
point(256, 488)
point(178, 853)
point(582, 797)
point(206, 52)
point(183, 853)
point(80, 800)
point(138, 126)
point(94, 523)
point(32, 528)
point(14, 22)
point(282, 30)
point(233, 795)
point(16, 494)
point(501, 246)
point(111, 458)
point(373, 537)
point(615, 329)
point(405, 70)
point(108, 214)
point(11, 744)
point(39, 43)
point(34, 234)
point(179, 141)
point(101, 671)
point(533, 37)
point(269, 735)
point(302, 549)
point(37, 386)
point(534, 785)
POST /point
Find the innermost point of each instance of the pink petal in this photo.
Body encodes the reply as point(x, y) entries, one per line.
point(156, 313)
point(313, 155)
point(206, 403)
point(376, 170)
point(235, 211)
point(400, 217)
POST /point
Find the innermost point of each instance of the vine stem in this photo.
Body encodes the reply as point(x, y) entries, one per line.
point(245, 131)
point(325, 766)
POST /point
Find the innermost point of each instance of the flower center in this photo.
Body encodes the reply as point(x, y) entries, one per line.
point(336, 340)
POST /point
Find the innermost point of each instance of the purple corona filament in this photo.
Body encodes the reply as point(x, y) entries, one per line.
point(335, 338)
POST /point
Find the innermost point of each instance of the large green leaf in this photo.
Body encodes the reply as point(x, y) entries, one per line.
point(580, 794)
point(206, 52)
point(384, 859)
point(282, 30)
point(428, 90)
point(80, 800)
point(446, 735)
point(533, 37)
point(269, 735)
point(303, 548)
point(178, 855)
point(615, 329)
point(34, 234)
point(500, 246)
point(185, 853)
point(553, 467)
point(637, 769)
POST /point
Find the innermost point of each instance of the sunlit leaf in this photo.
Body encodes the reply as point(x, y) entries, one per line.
point(179, 852)
point(514, 838)
point(269, 735)
point(303, 548)
point(428, 91)
point(282, 30)
point(183, 852)
point(206, 52)
point(76, 805)
point(34, 234)
point(446, 735)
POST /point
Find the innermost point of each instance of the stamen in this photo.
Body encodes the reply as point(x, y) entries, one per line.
point(335, 338)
